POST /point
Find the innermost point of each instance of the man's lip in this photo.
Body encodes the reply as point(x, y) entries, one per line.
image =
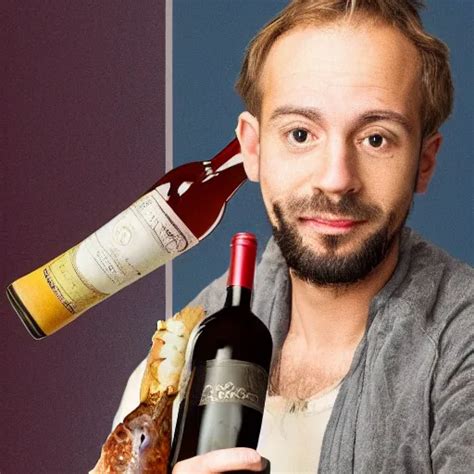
point(331, 223)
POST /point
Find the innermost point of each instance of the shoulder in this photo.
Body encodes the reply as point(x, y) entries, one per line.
point(428, 259)
point(438, 287)
point(438, 291)
point(441, 292)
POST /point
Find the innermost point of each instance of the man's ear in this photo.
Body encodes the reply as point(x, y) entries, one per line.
point(427, 164)
point(248, 134)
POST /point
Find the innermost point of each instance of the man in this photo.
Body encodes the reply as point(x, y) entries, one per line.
point(372, 326)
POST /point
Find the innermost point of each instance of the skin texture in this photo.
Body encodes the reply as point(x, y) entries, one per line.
point(341, 87)
point(340, 118)
point(337, 80)
point(221, 461)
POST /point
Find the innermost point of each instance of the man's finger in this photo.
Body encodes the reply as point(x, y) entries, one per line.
point(222, 460)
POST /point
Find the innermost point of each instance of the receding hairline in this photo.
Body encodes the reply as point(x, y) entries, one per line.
point(357, 20)
point(436, 89)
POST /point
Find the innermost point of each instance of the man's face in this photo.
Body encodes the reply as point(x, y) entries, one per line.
point(339, 146)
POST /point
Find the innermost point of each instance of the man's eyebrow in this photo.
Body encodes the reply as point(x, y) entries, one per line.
point(310, 113)
point(378, 115)
point(315, 115)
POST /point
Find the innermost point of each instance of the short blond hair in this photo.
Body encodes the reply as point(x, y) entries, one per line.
point(436, 81)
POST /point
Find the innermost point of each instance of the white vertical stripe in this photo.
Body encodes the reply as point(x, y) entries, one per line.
point(169, 135)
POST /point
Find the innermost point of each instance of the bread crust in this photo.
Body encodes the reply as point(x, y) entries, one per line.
point(142, 442)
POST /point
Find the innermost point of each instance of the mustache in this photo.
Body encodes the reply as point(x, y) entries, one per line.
point(348, 206)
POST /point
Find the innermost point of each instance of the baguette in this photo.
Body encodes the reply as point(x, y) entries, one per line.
point(142, 442)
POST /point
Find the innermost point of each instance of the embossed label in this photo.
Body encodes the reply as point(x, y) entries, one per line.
point(233, 381)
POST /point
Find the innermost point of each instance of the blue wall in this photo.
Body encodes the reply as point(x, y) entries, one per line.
point(209, 39)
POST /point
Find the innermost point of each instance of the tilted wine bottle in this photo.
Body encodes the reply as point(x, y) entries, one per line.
point(228, 364)
point(182, 208)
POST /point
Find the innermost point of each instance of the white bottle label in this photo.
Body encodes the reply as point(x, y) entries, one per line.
point(137, 241)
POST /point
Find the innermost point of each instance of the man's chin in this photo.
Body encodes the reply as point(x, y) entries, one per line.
point(333, 260)
point(333, 245)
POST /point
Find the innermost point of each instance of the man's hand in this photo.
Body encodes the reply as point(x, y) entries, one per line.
point(222, 460)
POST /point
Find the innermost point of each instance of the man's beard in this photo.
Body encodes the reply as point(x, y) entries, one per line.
point(330, 269)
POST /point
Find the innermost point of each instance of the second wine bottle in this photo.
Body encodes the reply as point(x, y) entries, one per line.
point(229, 364)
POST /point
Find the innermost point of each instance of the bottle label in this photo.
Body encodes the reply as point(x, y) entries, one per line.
point(140, 239)
point(236, 381)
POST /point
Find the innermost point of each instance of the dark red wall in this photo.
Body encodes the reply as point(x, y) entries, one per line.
point(82, 126)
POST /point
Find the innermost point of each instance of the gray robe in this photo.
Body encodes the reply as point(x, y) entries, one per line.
point(407, 403)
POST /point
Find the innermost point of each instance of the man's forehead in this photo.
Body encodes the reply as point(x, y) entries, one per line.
point(367, 59)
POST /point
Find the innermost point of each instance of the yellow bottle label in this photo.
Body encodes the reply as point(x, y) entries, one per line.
point(137, 241)
point(66, 283)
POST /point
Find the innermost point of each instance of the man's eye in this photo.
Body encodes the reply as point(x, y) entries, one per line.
point(376, 140)
point(299, 135)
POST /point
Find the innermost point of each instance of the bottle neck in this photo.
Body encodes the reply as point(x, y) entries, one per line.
point(238, 296)
point(241, 270)
point(226, 154)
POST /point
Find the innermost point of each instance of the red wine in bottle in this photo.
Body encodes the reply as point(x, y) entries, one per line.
point(229, 365)
point(182, 208)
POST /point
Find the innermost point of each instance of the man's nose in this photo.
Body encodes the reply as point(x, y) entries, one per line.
point(337, 170)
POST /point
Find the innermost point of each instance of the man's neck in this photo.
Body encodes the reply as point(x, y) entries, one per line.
point(336, 317)
point(326, 327)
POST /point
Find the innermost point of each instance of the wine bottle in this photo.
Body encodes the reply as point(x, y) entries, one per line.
point(228, 365)
point(182, 208)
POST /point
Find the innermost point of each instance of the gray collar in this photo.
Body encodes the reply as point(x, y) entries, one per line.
point(272, 296)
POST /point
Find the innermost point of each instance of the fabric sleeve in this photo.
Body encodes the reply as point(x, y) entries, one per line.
point(452, 396)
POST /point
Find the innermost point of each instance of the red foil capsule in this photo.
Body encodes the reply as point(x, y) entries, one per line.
point(242, 260)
